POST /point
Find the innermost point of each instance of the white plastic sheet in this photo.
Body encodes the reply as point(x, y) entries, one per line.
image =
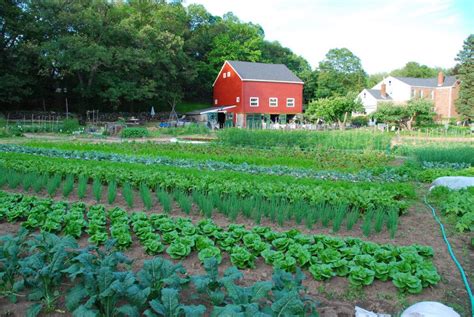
point(429, 309)
point(453, 182)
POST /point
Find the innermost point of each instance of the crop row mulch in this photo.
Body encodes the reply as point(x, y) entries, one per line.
point(335, 295)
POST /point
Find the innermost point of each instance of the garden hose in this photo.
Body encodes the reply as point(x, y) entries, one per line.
point(451, 253)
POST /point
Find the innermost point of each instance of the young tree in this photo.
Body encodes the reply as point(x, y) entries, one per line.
point(334, 109)
point(465, 103)
point(404, 116)
point(340, 72)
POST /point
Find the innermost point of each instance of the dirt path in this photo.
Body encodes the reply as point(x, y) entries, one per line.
point(335, 295)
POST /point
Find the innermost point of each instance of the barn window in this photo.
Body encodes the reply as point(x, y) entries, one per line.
point(273, 102)
point(225, 75)
point(237, 99)
point(290, 102)
point(228, 74)
point(365, 94)
point(215, 101)
point(253, 101)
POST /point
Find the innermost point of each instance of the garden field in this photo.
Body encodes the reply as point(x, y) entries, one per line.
point(272, 223)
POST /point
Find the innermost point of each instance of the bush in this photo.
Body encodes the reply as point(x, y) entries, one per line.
point(360, 121)
point(135, 133)
point(70, 125)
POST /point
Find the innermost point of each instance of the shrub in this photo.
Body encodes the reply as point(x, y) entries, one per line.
point(135, 133)
point(70, 125)
point(360, 121)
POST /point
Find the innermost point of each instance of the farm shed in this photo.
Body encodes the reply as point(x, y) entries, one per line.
point(260, 92)
point(214, 116)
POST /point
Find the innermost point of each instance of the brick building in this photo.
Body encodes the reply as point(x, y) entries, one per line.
point(442, 90)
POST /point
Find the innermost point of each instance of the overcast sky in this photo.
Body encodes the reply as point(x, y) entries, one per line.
point(384, 34)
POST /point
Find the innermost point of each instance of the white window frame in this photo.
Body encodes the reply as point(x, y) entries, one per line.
point(275, 99)
point(254, 100)
point(225, 75)
point(228, 74)
point(290, 100)
point(237, 99)
point(215, 101)
point(432, 95)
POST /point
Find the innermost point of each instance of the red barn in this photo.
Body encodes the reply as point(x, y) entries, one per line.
point(252, 92)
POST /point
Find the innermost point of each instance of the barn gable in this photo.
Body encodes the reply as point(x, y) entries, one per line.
point(250, 71)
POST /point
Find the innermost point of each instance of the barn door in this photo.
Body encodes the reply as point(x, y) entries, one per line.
point(282, 119)
point(229, 120)
point(254, 121)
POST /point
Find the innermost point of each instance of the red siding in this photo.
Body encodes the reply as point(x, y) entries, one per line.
point(226, 90)
point(266, 90)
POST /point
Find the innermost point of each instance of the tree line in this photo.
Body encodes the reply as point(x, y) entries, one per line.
point(131, 55)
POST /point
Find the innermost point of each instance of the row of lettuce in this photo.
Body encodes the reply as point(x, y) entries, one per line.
point(104, 283)
point(410, 268)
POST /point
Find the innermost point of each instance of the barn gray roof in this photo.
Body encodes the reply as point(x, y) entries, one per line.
point(377, 95)
point(264, 72)
point(427, 82)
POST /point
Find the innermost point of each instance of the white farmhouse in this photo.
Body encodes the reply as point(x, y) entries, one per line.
point(442, 90)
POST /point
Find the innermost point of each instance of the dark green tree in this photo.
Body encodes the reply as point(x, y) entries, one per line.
point(414, 69)
point(465, 103)
point(340, 72)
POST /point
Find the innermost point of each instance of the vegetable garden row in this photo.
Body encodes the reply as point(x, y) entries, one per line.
point(149, 196)
point(104, 285)
point(254, 207)
point(410, 268)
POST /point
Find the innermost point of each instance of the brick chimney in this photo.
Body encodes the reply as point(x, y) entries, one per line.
point(383, 90)
point(440, 79)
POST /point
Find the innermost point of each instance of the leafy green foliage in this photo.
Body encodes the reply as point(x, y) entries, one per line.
point(127, 193)
point(10, 252)
point(134, 133)
point(97, 189)
point(111, 191)
point(324, 256)
point(68, 185)
point(145, 194)
point(100, 285)
point(43, 269)
point(82, 186)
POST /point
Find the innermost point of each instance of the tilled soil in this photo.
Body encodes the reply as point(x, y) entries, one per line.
point(335, 296)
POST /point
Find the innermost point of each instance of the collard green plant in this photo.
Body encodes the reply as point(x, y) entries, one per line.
point(11, 249)
point(104, 284)
point(43, 269)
